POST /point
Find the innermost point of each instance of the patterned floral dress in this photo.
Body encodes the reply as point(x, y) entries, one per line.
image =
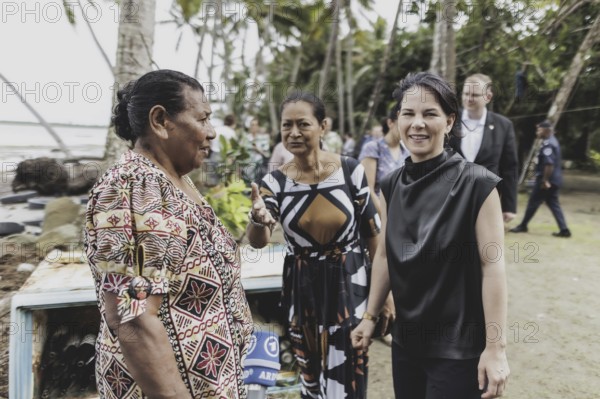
point(326, 273)
point(139, 224)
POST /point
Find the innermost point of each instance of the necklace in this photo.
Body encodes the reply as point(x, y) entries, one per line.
point(188, 180)
point(176, 180)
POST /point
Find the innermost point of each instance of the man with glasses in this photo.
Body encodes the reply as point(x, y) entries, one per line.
point(488, 139)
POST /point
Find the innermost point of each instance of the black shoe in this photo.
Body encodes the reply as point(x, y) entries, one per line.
point(563, 233)
point(518, 229)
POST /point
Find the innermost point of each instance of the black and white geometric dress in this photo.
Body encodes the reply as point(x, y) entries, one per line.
point(326, 274)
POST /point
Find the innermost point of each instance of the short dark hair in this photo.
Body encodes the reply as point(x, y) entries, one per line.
point(384, 125)
point(442, 91)
point(317, 104)
point(545, 124)
point(393, 114)
point(134, 101)
point(229, 120)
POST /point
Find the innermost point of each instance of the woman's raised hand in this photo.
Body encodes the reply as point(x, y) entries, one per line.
point(260, 213)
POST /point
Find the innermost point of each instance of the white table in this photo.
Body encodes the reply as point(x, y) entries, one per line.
point(62, 280)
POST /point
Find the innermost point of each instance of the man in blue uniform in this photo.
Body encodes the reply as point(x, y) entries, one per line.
point(548, 180)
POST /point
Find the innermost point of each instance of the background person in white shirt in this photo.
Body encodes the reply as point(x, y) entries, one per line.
point(332, 141)
point(258, 145)
point(349, 145)
point(279, 156)
point(227, 131)
point(213, 167)
point(488, 139)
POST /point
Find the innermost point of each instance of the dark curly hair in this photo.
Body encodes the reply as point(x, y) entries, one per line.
point(134, 101)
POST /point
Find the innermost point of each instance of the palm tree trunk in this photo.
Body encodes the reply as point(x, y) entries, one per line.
point(562, 97)
point(258, 68)
point(274, 119)
point(435, 65)
point(382, 68)
point(296, 65)
point(349, 71)
point(443, 59)
point(134, 56)
point(211, 67)
point(339, 71)
point(450, 49)
point(577, 64)
point(227, 50)
point(200, 45)
point(330, 47)
point(243, 56)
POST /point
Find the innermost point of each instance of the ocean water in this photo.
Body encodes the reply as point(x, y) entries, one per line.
point(18, 142)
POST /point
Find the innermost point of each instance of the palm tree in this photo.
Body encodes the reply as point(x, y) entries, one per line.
point(374, 102)
point(333, 35)
point(340, 76)
point(564, 92)
point(349, 69)
point(134, 56)
point(443, 59)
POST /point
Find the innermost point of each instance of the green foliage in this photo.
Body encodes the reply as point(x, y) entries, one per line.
point(231, 203)
point(189, 8)
point(233, 154)
point(230, 199)
point(594, 157)
point(591, 163)
point(499, 38)
point(495, 38)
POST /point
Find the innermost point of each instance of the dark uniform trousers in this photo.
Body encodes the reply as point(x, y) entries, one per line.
point(550, 197)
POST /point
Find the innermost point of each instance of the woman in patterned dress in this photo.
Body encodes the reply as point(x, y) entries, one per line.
point(174, 318)
point(323, 204)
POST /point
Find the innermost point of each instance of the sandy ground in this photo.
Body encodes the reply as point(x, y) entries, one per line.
point(553, 321)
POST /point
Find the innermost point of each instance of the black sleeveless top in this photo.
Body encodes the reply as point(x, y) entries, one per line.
point(433, 260)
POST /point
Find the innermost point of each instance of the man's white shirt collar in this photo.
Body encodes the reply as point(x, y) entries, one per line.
point(472, 135)
point(480, 122)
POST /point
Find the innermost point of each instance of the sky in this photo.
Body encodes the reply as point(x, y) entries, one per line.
point(59, 70)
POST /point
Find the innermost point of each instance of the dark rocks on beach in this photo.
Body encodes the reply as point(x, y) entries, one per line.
point(39, 202)
point(48, 176)
point(44, 175)
point(21, 197)
point(8, 228)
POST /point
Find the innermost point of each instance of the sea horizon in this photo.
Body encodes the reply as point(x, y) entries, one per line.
point(20, 142)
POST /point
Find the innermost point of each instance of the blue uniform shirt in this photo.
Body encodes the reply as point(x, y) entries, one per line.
point(550, 155)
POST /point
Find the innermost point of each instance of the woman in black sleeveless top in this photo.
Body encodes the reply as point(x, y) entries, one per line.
point(441, 256)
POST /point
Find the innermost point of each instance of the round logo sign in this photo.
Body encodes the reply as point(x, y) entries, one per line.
point(272, 346)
